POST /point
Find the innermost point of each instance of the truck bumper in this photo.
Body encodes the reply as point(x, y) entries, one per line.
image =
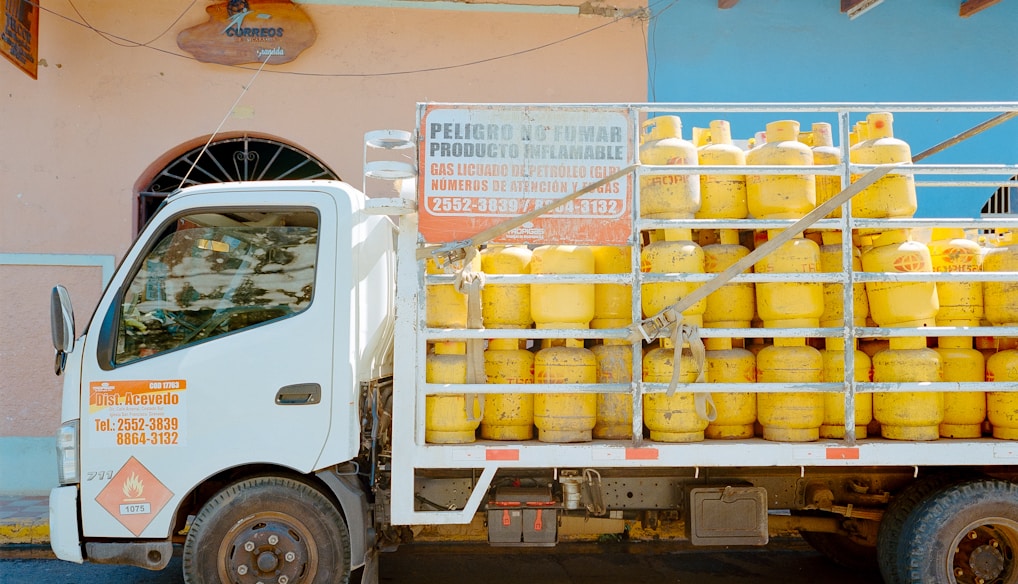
point(63, 524)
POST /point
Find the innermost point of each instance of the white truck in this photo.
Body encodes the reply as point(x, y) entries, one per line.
point(253, 384)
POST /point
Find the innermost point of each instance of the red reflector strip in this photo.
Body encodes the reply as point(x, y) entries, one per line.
point(641, 453)
point(842, 454)
point(501, 454)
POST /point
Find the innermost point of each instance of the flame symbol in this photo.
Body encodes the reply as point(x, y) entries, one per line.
point(133, 487)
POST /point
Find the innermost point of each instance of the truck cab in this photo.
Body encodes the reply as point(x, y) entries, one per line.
point(233, 342)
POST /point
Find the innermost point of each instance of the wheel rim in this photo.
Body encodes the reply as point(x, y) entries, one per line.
point(268, 547)
point(984, 552)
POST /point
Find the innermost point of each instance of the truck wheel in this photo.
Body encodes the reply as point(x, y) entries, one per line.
point(268, 529)
point(966, 533)
point(904, 503)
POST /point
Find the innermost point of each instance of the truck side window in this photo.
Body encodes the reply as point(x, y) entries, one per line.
point(213, 274)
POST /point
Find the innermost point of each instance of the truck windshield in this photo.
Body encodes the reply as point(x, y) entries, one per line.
point(214, 274)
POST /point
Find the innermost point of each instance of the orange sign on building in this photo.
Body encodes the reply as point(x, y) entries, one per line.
point(250, 31)
point(19, 39)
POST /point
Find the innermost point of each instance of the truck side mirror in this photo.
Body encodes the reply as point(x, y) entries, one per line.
point(61, 325)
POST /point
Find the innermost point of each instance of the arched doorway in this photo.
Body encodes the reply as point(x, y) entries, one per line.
point(236, 158)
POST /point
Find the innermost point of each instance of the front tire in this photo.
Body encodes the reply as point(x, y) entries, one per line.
point(268, 529)
point(963, 534)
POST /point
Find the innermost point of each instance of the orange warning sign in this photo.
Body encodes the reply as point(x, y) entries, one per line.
point(482, 165)
point(134, 496)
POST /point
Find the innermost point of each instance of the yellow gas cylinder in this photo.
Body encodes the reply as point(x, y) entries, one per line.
point(508, 416)
point(565, 417)
point(736, 411)
point(781, 196)
point(964, 411)
point(444, 306)
point(834, 403)
point(900, 304)
point(671, 419)
point(675, 253)
point(824, 153)
point(961, 303)
point(790, 304)
point(722, 196)
point(668, 196)
point(1001, 406)
point(450, 419)
point(506, 305)
point(614, 410)
point(733, 305)
point(562, 305)
point(834, 304)
point(908, 415)
point(613, 303)
point(893, 195)
point(788, 416)
point(1000, 299)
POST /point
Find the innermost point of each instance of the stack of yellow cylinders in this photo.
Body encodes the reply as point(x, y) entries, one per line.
point(1000, 299)
point(780, 196)
point(961, 305)
point(736, 411)
point(444, 306)
point(613, 308)
point(1000, 302)
point(834, 403)
point(900, 304)
point(824, 153)
point(1001, 406)
point(790, 304)
point(506, 305)
point(786, 416)
point(669, 196)
point(563, 417)
point(676, 253)
point(450, 419)
point(508, 416)
point(834, 306)
point(722, 196)
point(893, 195)
point(671, 419)
point(613, 303)
point(908, 415)
point(614, 410)
point(733, 305)
point(904, 415)
point(964, 411)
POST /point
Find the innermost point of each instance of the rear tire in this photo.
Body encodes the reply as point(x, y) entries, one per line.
point(903, 505)
point(965, 533)
point(268, 529)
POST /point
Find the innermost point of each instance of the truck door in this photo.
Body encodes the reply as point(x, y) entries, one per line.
point(212, 349)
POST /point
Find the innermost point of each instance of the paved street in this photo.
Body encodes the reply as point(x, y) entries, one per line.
point(787, 562)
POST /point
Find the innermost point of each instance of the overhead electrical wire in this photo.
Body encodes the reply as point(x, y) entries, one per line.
point(129, 43)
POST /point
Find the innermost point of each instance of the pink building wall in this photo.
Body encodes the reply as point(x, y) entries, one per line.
point(77, 142)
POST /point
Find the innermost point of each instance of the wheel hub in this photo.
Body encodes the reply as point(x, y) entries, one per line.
point(983, 556)
point(268, 552)
point(986, 562)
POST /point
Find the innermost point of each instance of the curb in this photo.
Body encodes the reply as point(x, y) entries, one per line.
point(24, 532)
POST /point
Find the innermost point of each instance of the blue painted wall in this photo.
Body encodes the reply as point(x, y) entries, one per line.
point(807, 50)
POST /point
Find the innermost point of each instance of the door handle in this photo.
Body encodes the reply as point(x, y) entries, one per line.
point(299, 394)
